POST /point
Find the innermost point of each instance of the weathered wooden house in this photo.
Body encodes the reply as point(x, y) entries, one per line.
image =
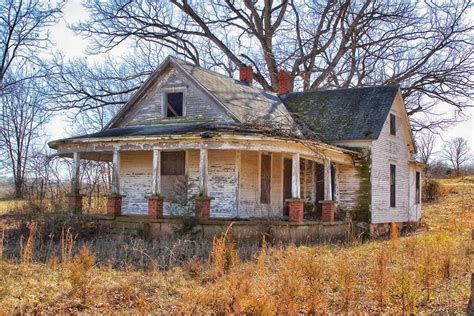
point(247, 153)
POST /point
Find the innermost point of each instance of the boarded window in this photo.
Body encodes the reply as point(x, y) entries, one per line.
point(265, 178)
point(392, 185)
point(174, 104)
point(393, 124)
point(333, 181)
point(172, 163)
point(417, 187)
point(319, 186)
point(287, 170)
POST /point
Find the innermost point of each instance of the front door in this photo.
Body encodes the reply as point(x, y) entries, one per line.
point(287, 170)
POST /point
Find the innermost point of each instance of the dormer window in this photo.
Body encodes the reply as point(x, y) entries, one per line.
point(393, 125)
point(174, 104)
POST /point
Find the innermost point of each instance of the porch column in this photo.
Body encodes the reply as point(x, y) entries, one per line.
point(114, 201)
point(75, 198)
point(295, 204)
point(328, 205)
point(76, 164)
point(203, 171)
point(156, 186)
point(116, 173)
point(155, 201)
point(295, 177)
point(327, 180)
point(203, 201)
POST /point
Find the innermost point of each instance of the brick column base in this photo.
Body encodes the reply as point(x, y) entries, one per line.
point(296, 210)
point(328, 210)
point(155, 207)
point(203, 207)
point(114, 205)
point(75, 203)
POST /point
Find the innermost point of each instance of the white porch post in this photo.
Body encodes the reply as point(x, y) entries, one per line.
point(238, 157)
point(203, 171)
point(76, 163)
point(295, 177)
point(116, 173)
point(156, 185)
point(327, 180)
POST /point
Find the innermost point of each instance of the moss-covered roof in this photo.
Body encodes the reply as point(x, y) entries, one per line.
point(342, 114)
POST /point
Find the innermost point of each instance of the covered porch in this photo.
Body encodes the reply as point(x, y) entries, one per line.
point(226, 177)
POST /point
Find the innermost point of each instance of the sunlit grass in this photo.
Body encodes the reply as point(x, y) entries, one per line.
point(9, 205)
point(427, 272)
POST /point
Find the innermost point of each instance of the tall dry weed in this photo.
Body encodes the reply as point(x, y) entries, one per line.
point(314, 273)
point(380, 277)
point(2, 238)
point(262, 257)
point(427, 269)
point(405, 290)
point(346, 281)
point(224, 253)
point(80, 275)
point(27, 250)
point(67, 245)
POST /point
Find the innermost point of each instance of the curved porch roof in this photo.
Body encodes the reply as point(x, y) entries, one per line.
point(100, 145)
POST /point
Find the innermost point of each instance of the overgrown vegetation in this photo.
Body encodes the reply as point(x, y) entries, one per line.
point(427, 272)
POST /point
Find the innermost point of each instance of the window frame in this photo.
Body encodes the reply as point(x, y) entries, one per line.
point(393, 124)
point(393, 185)
point(417, 187)
point(164, 102)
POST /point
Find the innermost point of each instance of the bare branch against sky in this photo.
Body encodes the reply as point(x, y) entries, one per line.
point(426, 47)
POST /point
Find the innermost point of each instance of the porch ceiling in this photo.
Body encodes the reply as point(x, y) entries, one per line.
point(102, 148)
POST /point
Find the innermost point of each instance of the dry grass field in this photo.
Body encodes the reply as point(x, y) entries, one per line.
point(425, 272)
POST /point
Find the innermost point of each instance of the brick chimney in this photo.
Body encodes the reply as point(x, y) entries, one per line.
point(246, 74)
point(284, 82)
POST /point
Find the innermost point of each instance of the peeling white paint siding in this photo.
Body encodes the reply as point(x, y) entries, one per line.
point(348, 185)
point(250, 205)
point(386, 150)
point(222, 182)
point(198, 105)
point(136, 181)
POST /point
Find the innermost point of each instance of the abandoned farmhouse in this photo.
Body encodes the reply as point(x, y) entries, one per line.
point(240, 152)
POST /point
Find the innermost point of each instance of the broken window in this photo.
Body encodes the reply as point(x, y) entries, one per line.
point(174, 104)
point(265, 178)
point(393, 127)
point(392, 185)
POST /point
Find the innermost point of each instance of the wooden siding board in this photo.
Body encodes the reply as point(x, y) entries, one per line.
point(391, 149)
point(135, 181)
point(222, 182)
point(198, 105)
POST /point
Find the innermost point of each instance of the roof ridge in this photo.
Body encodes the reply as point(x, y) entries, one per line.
point(351, 88)
point(179, 60)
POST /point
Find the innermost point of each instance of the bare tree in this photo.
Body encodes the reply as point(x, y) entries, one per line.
point(456, 152)
point(23, 32)
point(426, 142)
point(22, 117)
point(424, 46)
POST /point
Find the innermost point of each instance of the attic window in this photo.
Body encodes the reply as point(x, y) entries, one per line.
point(393, 127)
point(174, 104)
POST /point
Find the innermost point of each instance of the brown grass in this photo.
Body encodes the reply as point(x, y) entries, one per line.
point(426, 272)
